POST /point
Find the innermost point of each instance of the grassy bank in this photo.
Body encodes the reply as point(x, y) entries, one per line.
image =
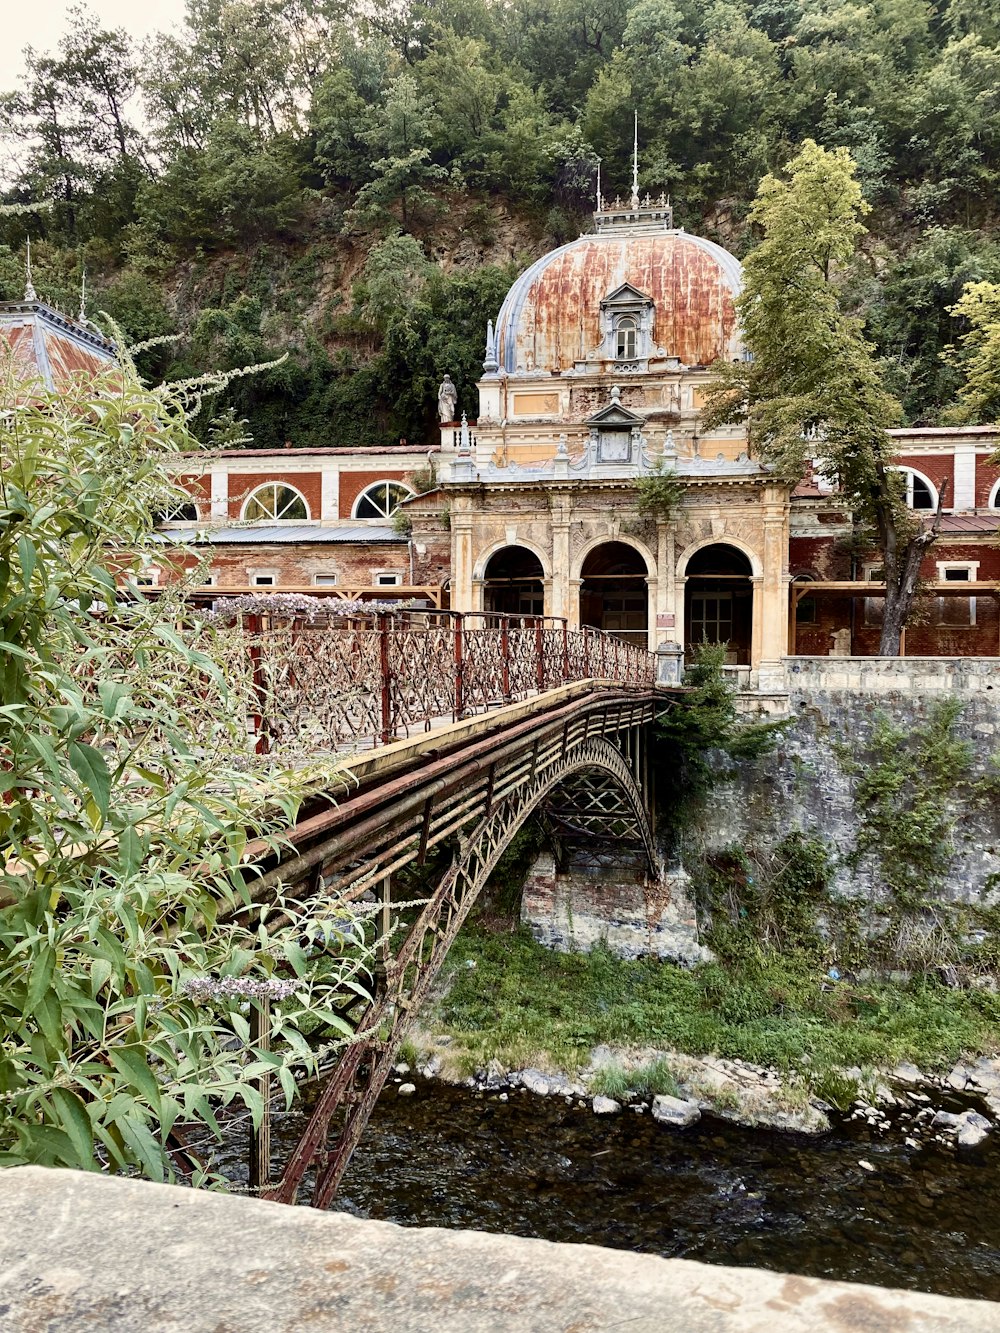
point(522, 1004)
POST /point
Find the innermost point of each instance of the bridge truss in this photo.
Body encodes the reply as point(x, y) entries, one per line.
point(581, 761)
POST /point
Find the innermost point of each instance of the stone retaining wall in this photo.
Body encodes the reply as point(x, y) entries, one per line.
point(803, 786)
point(906, 675)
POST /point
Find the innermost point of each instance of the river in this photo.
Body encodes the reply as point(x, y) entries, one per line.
point(449, 1157)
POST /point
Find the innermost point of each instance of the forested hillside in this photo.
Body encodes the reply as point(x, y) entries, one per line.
point(355, 184)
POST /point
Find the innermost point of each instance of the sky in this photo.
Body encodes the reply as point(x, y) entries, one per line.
point(40, 23)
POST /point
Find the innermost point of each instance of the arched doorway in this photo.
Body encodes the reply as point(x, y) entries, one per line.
point(718, 602)
point(512, 583)
point(614, 595)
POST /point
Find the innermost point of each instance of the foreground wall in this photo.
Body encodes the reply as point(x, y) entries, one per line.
point(81, 1251)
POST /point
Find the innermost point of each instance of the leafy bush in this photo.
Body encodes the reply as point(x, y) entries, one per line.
point(132, 814)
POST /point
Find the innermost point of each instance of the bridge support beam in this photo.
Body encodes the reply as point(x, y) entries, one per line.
point(596, 900)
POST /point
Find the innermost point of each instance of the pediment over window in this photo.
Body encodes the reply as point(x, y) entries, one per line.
point(626, 295)
point(614, 417)
point(627, 319)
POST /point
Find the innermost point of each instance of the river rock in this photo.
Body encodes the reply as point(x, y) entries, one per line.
point(946, 1120)
point(672, 1111)
point(606, 1106)
point(407, 1089)
point(973, 1129)
point(535, 1081)
point(906, 1073)
point(769, 1113)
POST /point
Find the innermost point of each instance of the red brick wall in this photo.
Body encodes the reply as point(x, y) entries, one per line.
point(936, 467)
point(353, 483)
point(986, 478)
point(308, 484)
point(353, 563)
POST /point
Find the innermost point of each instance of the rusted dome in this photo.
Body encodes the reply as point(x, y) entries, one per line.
point(550, 318)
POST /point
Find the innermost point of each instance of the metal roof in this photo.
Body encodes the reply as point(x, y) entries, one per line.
point(550, 317)
point(285, 534)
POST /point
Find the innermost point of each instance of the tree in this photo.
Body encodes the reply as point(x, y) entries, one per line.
point(979, 354)
point(404, 129)
point(812, 389)
point(128, 812)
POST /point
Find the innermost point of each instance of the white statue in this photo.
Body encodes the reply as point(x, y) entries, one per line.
point(447, 400)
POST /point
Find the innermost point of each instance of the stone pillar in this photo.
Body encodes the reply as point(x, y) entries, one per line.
point(573, 602)
point(219, 474)
point(669, 663)
point(329, 511)
point(680, 632)
point(773, 602)
point(462, 593)
point(558, 600)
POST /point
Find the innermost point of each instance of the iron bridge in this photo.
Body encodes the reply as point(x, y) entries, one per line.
point(575, 752)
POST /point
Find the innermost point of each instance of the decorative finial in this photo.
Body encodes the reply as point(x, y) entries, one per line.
point(491, 363)
point(600, 197)
point(635, 164)
point(82, 317)
point(616, 394)
point(29, 288)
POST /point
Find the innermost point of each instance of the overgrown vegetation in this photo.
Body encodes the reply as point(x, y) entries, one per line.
point(522, 1004)
point(700, 737)
point(131, 805)
point(341, 180)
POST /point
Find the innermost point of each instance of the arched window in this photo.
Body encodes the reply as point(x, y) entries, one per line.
point(178, 512)
point(994, 502)
point(274, 502)
point(920, 494)
point(625, 339)
point(381, 500)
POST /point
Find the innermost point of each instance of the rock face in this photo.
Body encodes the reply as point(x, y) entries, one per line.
point(535, 1081)
point(674, 1112)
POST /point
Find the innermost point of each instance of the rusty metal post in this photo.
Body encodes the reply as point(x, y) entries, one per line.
point(252, 626)
point(458, 701)
point(260, 1139)
point(539, 656)
point(505, 657)
point(383, 652)
point(565, 648)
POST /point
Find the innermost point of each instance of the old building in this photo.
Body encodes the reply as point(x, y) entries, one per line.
point(594, 376)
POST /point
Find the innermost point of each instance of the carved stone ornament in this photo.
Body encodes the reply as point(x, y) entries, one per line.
point(447, 400)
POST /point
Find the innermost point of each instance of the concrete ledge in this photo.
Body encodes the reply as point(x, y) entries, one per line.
point(86, 1252)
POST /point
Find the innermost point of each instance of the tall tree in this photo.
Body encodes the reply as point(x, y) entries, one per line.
point(979, 354)
point(812, 390)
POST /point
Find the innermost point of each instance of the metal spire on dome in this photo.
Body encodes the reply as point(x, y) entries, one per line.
point(29, 287)
point(600, 197)
point(82, 317)
point(634, 201)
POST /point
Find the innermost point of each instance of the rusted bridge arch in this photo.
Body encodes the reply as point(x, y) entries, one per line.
point(582, 758)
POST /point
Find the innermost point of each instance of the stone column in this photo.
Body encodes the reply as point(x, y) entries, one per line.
point(329, 493)
point(558, 599)
point(772, 645)
point(462, 593)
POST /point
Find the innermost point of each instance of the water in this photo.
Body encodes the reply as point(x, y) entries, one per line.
point(537, 1167)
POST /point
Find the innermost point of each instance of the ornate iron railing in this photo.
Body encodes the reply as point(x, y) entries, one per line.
point(329, 684)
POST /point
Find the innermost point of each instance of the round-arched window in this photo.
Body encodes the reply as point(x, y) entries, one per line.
point(625, 341)
point(920, 494)
point(381, 500)
point(274, 502)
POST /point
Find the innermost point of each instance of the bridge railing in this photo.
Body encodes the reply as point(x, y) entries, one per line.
point(335, 681)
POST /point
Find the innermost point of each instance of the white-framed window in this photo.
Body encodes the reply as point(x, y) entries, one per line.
point(263, 578)
point(626, 339)
point(921, 492)
point(387, 578)
point(275, 502)
point(994, 502)
point(381, 500)
point(324, 580)
point(958, 612)
point(148, 577)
